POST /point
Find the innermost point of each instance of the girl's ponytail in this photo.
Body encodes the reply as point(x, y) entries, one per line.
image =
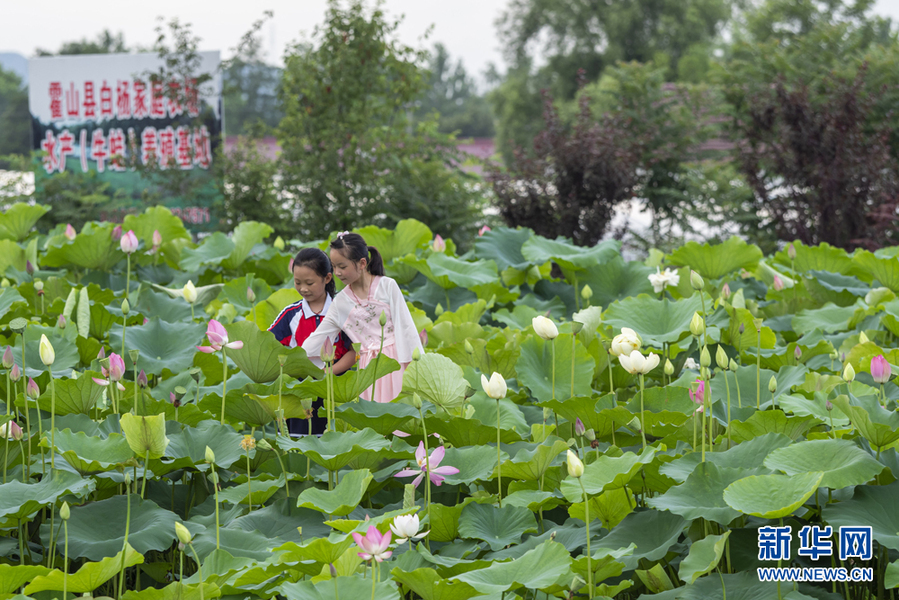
point(375, 263)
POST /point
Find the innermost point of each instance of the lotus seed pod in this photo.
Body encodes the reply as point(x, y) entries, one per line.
point(696, 280)
point(669, 368)
point(590, 435)
point(576, 327)
point(705, 357)
point(416, 354)
point(721, 358)
point(772, 384)
point(39, 285)
point(182, 532)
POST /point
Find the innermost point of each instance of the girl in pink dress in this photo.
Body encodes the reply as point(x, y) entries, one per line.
point(357, 308)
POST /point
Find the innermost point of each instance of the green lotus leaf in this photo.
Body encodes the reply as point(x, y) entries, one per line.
point(64, 346)
point(405, 238)
point(268, 310)
point(596, 413)
point(870, 506)
point(750, 454)
point(346, 587)
point(334, 450)
point(535, 500)
point(383, 417)
point(468, 432)
point(163, 345)
point(17, 220)
point(772, 496)
point(498, 527)
point(615, 280)
point(716, 261)
point(474, 463)
point(842, 290)
point(280, 519)
point(92, 248)
point(258, 358)
point(814, 407)
point(503, 246)
point(437, 379)
point(212, 251)
point(14, 577)
point(535, 367)
point(175, 591)
point(742, 586)
point(235, 292)
point(510, 414)
point(21, 500)
point(427, 584)
point(531, 464)
point(97, 529)
point(657, 321)
point(11, 255)
point(876, 424)
point(145, 435)
point(609, 507)
point(702, 494)
point(843, 463)
point(884, 270)
point(246, 235)
point(771, 421)
point(324, 550)
point(155, 218)
point(89, 577)
point(191, 443)
point(73, 396)
point(519, 318)
point(536, 569)
point(538, 250)
point(256, 492)
point(652, 532)
point(91, 454)
point(822, 257)
point(703, 557)
point(656, 580)
point(606, 473)
point(829, 318)
point(340, 501)
point(749, 338)
point(349, 386)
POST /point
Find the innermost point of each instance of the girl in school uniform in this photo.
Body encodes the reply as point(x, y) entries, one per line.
point(356, 311)
point(314, 280)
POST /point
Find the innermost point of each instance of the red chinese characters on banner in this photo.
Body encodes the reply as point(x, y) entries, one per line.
point(166, 147)
point(99, 150)
point(141, 108)
point(116, 149)
point(157, 101)
point(105, 101)
point(184, 151)
point(65, 148)
point(55, 100)
point(73, 106)
point(133, 99)
point(192, 214)
point(202, 148)
point(148, 145)
point(51, 159)
point(123, 100)
point(90, 105)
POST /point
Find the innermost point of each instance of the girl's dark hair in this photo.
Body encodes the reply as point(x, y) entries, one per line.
point(353, 246)
point(319, 262)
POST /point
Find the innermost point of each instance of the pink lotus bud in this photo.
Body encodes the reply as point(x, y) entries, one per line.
point(7, 361)
point(483, 230)
point(439, 244)
point(251, 295)
point(157, 238)
point(116, 233)
point(880, 369)
point(129, 242)
point(116, 367)
point(102, 353)
point(15, 373)
point(61, 322)
point(579, 428)
point(11, 430)
point(778, 283)
point(31, 389)
point(327, 351)
point(797, 352)
point(791, 251)
point(725, 291)
point(142, 379)
point(70, 232)
point(423, 336)
point(29, 268)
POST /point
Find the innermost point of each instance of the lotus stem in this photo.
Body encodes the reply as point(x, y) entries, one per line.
point(573, 350)
point(199, 568)
point(192, 311)
point(424, 431)
point(730, 442)
point(643, 417)
point(249, 482)
point(134, 407)
point(21, 544)
point(125, 543)
point(127, 289)
point(65, 561)
point(40, 433)
point(587, 523)
point(52, 423)
point(28, 430)
point(374, 581)
point(6, 441)
point(283, 470)
point(758, 372)
point(144, 486)
point(280, 375)
point(702, 417)
point(215, 487)
point(124, 327)
point(224, 382)
point(499, 463)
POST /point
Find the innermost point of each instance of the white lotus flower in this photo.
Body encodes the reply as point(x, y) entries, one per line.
point(662, 279)
point(637, 364)
point(545, 328)
point(495, 387)
point(625, 342)
point(405, 528)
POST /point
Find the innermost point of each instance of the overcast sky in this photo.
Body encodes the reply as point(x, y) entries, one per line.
point(466, 27)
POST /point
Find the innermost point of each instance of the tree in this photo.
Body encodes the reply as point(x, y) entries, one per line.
point(573, 181)
point(453, 95)
point(106, 42)
point(348, 141)
point(15, 120)
point(819, 170)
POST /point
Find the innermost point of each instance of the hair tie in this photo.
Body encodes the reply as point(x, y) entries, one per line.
point(342, 233)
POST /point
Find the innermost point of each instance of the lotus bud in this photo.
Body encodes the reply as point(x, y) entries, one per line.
point(705, 357)
point(327, 350)
point(70, 232)
point(423, 336)
point(182, 532)
point(586, 292)
point(39, 287)
point(416, 354)
point(742, 328)
point(382, 319)
point(791, 251)
point(210, 455)
point(416, 400)
point(483, 230)
point(880, 369)
point(590, 435)
point(704, 372)
point(11, 430)
point(4, 283)
point(29, 268)
point(175, 401)
point(7, 360)
point(333, 570)
point(721, 358)
point(15, 374)
point(129, 242)
point(778, 283)
point(772, 384)
point(862, 338)
point(697, 326)
point(127, 478)
point(126, 306)
point(669, 368)
point(696, 280)
point(251, 295)
point(579, 428)
point(142, 379)
point(842, 357)
point(725, 291)
point(848, 373)
point(468, 347)
point(495, 387)
point(190, 292)
point(545, 328)
point(61, 322)
point(575, 466)
point(438, 310)
point(278, 243)
point(157, 238)
point(828, 405)
point(46, 351)
point(263, 445)
point(64, 511)
point(116, 233)
point(438, 245)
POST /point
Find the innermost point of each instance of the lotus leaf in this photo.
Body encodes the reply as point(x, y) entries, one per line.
point(346, 587)
point(535, 367)
point(343, 499)
point(436, 379)
point(716, 261)
point(91, 454)
point(536, 569)
point(656, 321)
point(21, 500)
point(843, 463)
point(89, 577)
point(772, 496)
point(498, 527)
point(427, 584)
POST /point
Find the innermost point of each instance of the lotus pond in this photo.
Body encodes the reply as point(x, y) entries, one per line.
point(643, 440)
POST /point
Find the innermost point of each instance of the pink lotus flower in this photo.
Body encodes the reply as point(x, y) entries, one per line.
point(218, 339)
point(698, 396)
point(778, 283)
point(70, 232)
point(129, 242)
point(483, 230)
point(116, 367)
point(880, 369)
point(436, 471)
point(373, 545)
point(117, 233)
